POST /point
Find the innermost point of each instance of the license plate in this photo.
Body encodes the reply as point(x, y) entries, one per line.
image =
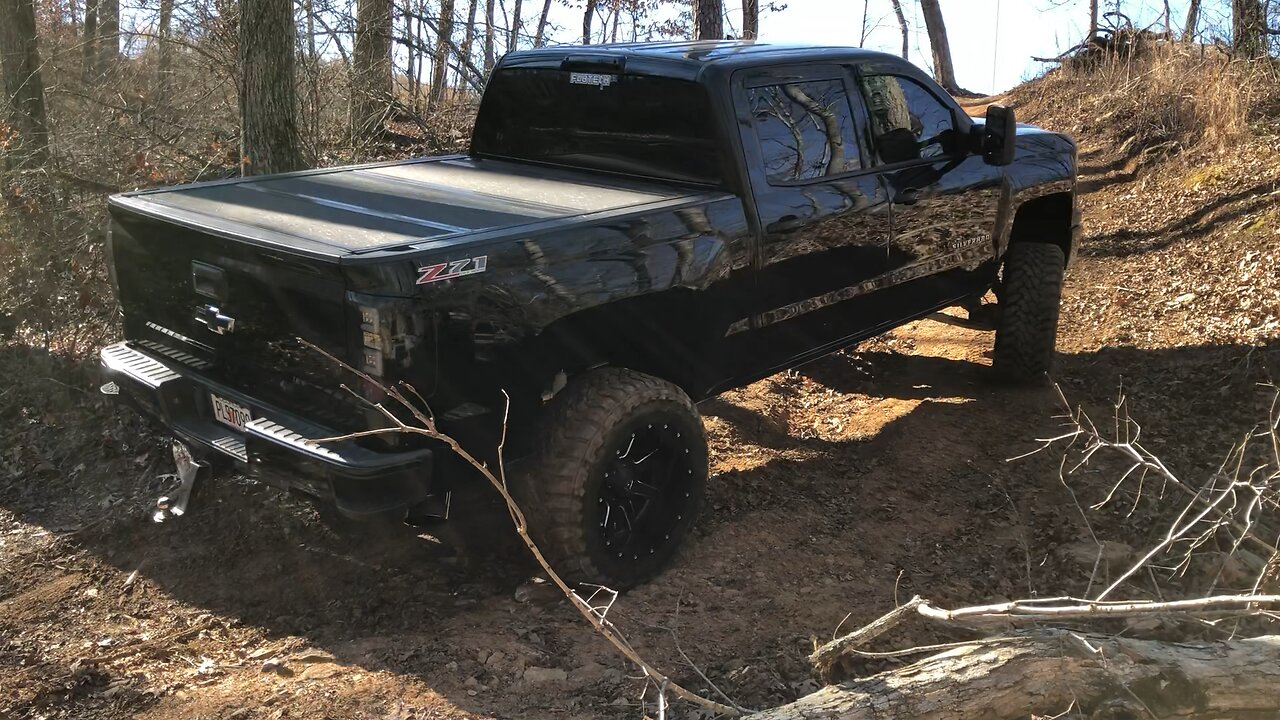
point(229, 413)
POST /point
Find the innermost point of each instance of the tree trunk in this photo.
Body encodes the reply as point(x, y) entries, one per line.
point(902, 25)
point(439, 71)
point(371, 87)
point(488, 38)
point(708, 19)
point(751, 19)
point(1248, 29)
point(1093, 21)
point(1193, 19)
point(469, 37)
point(108, 34)
point(268, 108)
point(162, 48)
point(514, 38)
point(587, 16)
point(23, 86)
point(89, 41)
point(1044, 674)
point(943, 71)
point(542, 24)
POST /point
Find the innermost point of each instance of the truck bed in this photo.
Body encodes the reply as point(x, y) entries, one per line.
point(374, 207)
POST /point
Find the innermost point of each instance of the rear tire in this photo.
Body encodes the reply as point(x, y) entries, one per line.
point(1030, 297)
point(618, 479)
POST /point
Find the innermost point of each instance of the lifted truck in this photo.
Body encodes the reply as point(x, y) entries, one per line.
point(635, 228)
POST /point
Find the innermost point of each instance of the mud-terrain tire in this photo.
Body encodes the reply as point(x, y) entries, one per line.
point(1030, 296)
point(617, 479)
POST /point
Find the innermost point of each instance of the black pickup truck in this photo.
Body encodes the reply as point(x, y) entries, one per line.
point(635, 228)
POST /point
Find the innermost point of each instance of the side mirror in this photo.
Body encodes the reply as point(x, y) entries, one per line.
point(998, 135)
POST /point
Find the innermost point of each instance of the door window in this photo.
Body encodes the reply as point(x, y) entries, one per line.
point(805, 130)
point(908, 122)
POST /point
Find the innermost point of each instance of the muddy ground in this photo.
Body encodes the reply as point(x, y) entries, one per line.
point(837, 489)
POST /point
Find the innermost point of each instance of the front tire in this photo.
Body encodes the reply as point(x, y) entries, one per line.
point(1030, 297)
point(618, 479)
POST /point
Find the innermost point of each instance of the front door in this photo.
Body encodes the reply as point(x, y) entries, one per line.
point(823, 215)
point(944, 199)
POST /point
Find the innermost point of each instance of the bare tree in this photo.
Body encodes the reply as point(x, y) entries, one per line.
point(1093, 21)
point(444, 38)
point(268, 107)
point(708, 19)
point(1248, 28)
point(513, 38)
point(23, 86)
point(163, 29)
point(1193, 19)
point(540, 36)
point(371, 86)
point(943, 70)
point(488, 37)
point(469, 36)
point(89, 39)
point(108, 34)
point(587, 15)
point(902, 24)
point(751, 19)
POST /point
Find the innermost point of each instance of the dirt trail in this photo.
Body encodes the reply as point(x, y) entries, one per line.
point(836, 488)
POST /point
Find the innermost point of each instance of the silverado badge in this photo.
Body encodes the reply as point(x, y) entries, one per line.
point(453, 269)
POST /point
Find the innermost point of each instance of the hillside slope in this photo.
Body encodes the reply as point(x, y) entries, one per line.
point(837, 488)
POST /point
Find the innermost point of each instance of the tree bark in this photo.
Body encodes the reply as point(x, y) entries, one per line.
point(540, 36)
point(751, 19)
point(468, 39)
point(108, 34)
point(488, 37)
point(708, 19)
point(1043, 674)
point(514, 37)
point(1193, 20)
point(902, 25)
point(587, 17)
point(1248, 29)
point(371, 86)
point(439, 70)
point(89, 40)
point(943, 70)
point(23, 86)
point(162, 47)
point(1093, 21)
point(268, 107)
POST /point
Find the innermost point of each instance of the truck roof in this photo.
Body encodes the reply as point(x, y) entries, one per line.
point(687, 58)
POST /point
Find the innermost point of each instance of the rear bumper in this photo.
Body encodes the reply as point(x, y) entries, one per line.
point(276, 447)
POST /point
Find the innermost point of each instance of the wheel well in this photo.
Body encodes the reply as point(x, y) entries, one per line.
point(1045, 219)
point(667, 335)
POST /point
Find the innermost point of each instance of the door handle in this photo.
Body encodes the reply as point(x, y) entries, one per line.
point(907, 196)
point(786, 223)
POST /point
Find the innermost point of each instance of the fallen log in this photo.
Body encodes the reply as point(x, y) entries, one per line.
point(1045, 673)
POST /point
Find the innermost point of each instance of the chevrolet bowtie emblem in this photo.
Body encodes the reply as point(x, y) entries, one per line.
point(213, 320)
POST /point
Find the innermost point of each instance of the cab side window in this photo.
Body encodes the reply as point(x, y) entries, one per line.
point(907, 121)
point(805, 130)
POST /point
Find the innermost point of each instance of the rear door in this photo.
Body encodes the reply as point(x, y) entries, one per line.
point(944, 199)
point(823, 216)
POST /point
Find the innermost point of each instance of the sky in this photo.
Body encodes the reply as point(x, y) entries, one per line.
point(992, 41)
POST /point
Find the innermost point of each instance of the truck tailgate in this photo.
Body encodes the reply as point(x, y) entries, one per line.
point(338, 211)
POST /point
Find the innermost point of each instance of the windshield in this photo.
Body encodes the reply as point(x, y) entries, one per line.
point(634, 124)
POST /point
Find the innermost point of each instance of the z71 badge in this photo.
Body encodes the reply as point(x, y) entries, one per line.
point(451, 270)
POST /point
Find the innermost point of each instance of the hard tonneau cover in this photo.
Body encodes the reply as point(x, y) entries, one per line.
point(371, 207)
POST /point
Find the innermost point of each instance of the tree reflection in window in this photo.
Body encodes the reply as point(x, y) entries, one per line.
point(805, 130)
point(907, 121)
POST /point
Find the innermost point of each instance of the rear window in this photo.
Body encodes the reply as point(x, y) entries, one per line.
point(634, 124)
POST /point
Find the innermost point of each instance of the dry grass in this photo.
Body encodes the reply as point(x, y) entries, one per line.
point(1184, 95)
